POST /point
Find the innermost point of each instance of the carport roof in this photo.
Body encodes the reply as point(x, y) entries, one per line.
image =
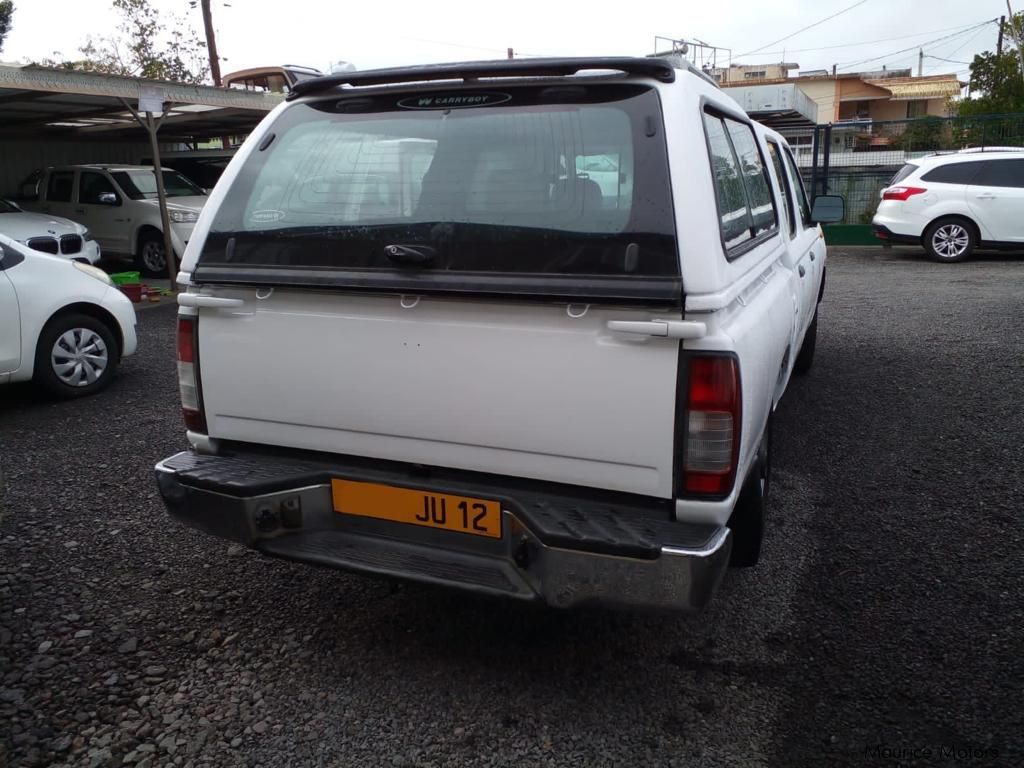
point(37, 102)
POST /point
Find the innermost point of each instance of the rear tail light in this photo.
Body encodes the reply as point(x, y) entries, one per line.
point(712, 425)
point(902, 193)
point(188, 381)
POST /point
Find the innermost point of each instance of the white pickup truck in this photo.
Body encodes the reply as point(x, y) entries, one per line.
point(118, 203)
point(417, 338)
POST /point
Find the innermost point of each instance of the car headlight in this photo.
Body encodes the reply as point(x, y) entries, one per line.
point(184, 217)
point(87, 236)
point(92, 271)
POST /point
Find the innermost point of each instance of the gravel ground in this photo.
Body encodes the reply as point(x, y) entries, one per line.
point(883, 626)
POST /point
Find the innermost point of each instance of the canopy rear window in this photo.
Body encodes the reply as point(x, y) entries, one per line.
point(547, 190)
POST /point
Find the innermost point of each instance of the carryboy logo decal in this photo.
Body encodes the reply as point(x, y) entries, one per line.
point(454, 100)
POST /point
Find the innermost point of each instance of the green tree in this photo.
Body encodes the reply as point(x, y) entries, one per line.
point(148, 45)
point(926, 134)
point(6, 12)
point(997, 80)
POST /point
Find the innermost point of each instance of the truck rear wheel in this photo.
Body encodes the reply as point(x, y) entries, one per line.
point(805, 357)
point(747, 521)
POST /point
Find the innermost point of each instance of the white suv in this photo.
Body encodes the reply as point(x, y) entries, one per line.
point(954, 203)
point(417, 337)
point(118, 203)
point(49, 234)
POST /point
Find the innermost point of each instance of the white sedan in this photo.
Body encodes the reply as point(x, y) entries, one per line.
point(49, 234)
point(63, 323)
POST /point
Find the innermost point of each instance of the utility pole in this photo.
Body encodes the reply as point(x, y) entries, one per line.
point(920, 62)
point(1017, 37)
point(211, 42)
point(999, 43)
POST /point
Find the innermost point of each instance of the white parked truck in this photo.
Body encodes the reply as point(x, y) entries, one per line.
point(119, 205)
point(418, 339)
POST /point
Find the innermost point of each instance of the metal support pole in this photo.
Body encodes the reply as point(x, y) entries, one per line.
point(828, 150)
point(814, 160)
point(152, 126)
point(165, 218)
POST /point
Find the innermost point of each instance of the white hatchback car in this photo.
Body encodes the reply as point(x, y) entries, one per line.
point(49, 234)
point(954, 203)
point(62, 323)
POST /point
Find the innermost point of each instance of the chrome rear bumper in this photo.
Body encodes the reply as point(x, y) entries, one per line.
point(664, 566)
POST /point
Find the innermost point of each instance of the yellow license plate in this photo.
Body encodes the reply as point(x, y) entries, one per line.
point(464, 514)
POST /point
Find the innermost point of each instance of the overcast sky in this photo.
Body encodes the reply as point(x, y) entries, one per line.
point(376, 34)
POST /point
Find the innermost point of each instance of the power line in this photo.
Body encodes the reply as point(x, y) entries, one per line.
point(865, 42)
point(913, 47)
point(951, 61)
point(969, 40)
point(804, 29)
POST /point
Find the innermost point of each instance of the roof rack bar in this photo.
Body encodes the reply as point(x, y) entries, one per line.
point(555, 67)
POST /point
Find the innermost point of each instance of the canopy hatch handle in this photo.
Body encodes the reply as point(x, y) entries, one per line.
point(210, 302)
point(672, 329)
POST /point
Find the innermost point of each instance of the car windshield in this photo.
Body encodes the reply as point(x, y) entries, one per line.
point(6, 206)
point(141, 184)
point(538, 181)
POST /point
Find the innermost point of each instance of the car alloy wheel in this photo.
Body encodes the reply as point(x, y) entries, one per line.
point(951, 241)
point(153, 257)
point(79, 357)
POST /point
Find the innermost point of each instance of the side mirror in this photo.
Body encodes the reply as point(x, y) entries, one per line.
point(108, 198)
point(828, 209)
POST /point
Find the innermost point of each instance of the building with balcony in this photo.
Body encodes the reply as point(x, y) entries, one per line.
point(876, 96)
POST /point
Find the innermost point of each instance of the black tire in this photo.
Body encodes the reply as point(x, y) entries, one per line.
point(151, 255)
point(950, 240)
point(805, 357)
point(90, 343)
point(747, 521)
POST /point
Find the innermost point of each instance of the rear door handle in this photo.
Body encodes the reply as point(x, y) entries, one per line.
point(211, 302)
point(986, 196)
point(672, 329)
point(801, 270)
